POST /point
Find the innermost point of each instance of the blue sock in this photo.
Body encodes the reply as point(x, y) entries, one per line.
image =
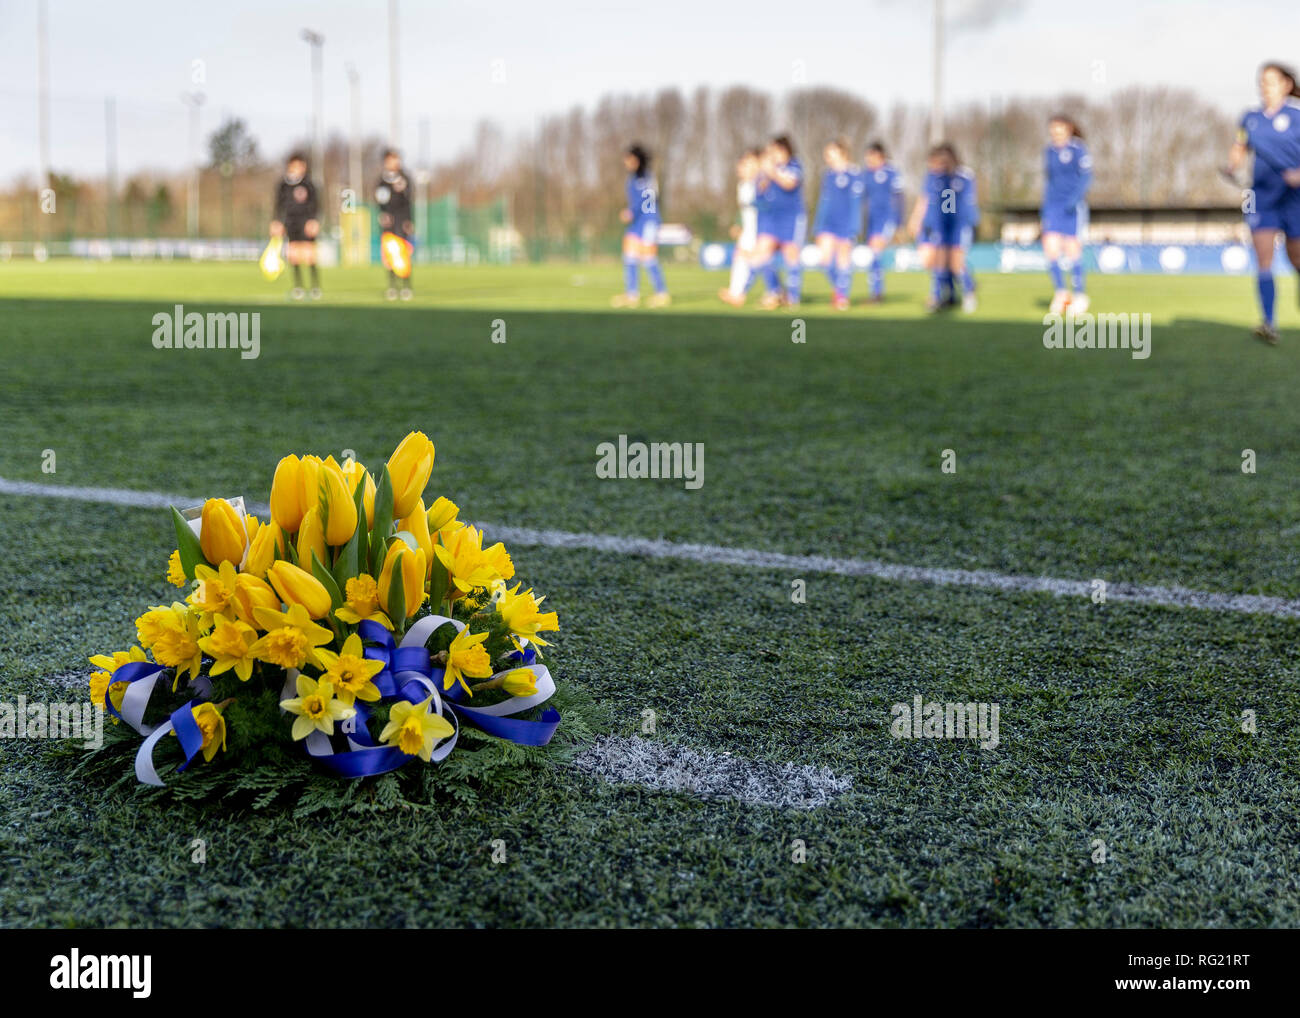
point(967, 281)
point(1058, 277)
point(631, 281)
point(945, 284)
point(846, 281)
point(1076, 276)
point(877, 278)
point(770, 279)
point(794, 280)
point(1266, 294)
point(656, 274)
point(936, 286)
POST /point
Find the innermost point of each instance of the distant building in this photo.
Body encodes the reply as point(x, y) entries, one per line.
point(1139, 224)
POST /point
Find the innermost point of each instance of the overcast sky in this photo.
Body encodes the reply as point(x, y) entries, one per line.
point(554, 54)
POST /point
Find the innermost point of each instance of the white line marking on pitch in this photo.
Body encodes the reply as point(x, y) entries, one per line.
point(1171, 597)
point(668, 767)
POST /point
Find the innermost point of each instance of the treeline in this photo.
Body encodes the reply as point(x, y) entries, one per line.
point(563, 181)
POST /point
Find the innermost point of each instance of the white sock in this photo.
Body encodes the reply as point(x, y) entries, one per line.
point(739, 275)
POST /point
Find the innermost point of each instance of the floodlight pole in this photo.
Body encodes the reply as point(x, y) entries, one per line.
point(194, 100)
point(394, 81)
point(317, 43)
point(936, 107)
point(43, 91)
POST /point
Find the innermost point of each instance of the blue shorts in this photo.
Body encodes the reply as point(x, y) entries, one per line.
point(949, 232)
point(840, 230)
point(1068, 222)
point(1278, 213)
point(786, 227)
point(646, 231)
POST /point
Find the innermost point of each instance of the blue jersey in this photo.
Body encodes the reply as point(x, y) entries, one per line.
point(1067, 174)
point(1275, 140)
point(884, 198)
point(776, 200)
point(839, 206)
point(951, 200)
point(642, 199)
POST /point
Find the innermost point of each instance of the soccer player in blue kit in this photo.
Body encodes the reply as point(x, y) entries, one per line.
point(944, 220)
point(641, 233)
point(1067, 174)
point(782, 223)
point(839, 216)
point(884, 201)
point(1272, 132)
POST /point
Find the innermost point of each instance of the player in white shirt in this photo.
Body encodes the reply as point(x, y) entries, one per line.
point(745, 234)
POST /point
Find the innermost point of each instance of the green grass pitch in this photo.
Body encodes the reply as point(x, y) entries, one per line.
point(1118, 722)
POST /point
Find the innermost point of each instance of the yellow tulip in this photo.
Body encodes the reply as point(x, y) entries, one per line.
point(368, 501)
point(442, 513)
point(353, 472)
point(252, 593)
point(311, 538)
point(297, 586)
point(221, 534)
point(413, 570)
point(261, 548)
point(418, 526)
point(340, 510)
point(409, 467)
point(309, 482)
point(286, 494)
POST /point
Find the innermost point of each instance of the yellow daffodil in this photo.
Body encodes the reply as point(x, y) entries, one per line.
point(291, 637)
point(317, 708)
point(466, 657)
point(175, 574)
point(262, 541)
point(214, 594)
point(442, 514)
point(287, 508)
point(311, 538)
point(499, 561)
point(101, 682)
point(522, 617)
point(252, 593)
point(417, 525)
point(339, 510)
point(298, 587)
point(361, 601)
point(414, 728)
point(520, 682)
point(172, 634)
point(212, 723)
point(351, 671)
point(409, 467)
point(461, 554)
point(230, 645)
point(411, 570)
point(221, 533)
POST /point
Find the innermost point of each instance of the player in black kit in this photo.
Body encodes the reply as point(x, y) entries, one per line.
point(393, 193)
point(295, 219)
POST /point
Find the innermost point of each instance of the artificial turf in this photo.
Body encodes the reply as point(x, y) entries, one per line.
point(1118, 722)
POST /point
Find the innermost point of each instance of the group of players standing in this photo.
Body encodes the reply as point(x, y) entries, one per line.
point(296, 218)
point(858, 201)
